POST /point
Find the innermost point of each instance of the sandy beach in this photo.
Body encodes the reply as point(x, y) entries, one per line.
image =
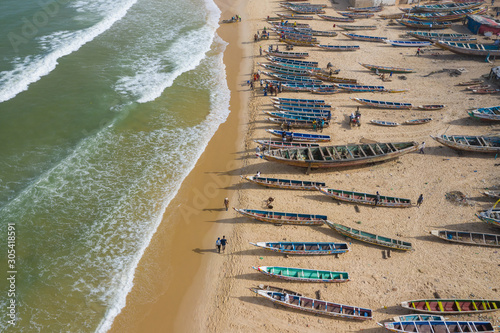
point(182, 285)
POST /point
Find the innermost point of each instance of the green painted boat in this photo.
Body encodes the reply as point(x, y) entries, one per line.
point(365, 198)
point(369, 237)
point(303, 275)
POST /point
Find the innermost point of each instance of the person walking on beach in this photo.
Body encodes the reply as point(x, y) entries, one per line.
point(218, 244)
point(223, 242)
point(420, 200)
point(377, 198)
point(418, 52)
point(226, 203)
point(422, 146)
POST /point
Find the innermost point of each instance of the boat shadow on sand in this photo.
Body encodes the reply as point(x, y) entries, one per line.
point(257, 277)
point(468, 121)
point(448, 152)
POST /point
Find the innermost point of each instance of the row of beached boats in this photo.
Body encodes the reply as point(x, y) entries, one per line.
point(408, 323)
point(302, 149)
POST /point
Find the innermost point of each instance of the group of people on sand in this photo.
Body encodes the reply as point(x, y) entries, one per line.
point(220, 244)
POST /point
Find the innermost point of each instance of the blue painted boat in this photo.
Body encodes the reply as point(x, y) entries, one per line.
point(439, 326)
point(446, 7)
point(282, 144)
point(359, 88)
point(295, 78)
point(478, 144)
point(293, 61)
point(338, 47)
point(292, 55)
point(490, 114)
point(423, 25)
point(305, 248)
point(384, 123)
point(298, 100)
point(383, 104)
point(319, 32)
point(297, 123)
point(281, 117)
point(282, 70)
point(283, 114)
point(407, 43)
point(303, 275)
point(298, 86)
point(300, 136)
point(470, 48)
point(491, 216)
point(371, 9)
point(336, 19)
point(434, 36)
point(419, 317)
point(365, 38)
point(455, 15)
point(356, 15)
point(301, 108)
point(300, 67)
point(277, 104)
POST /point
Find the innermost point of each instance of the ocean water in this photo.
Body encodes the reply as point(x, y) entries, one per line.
point(105, 107)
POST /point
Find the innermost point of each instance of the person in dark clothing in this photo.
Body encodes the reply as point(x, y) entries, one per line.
point(377, 198)
point(218, 244)
point(420, 200)
point(223, 242)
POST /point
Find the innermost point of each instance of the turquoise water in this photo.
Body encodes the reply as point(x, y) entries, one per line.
point(105, 108)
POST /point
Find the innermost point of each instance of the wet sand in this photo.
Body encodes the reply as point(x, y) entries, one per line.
point(172, 284)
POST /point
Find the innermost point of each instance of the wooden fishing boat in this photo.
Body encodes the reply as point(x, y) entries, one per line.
point(419, 317)
point(469, 238)
point(356, 15)
point(282, 144)
point(417, 121)
point(383, 104)
point(478, 144)
point(452, 306)
point(287, 105)
point(297, 123)
point(455, 15)
point(334, 78)
point(317, 306)
point(479, 86)
point(336, 19)
point(384, 123)
point(392, 16)
point(491, 216)
point(387, 69)
point(298, 100)
point(284, 54)
point(492, 194)
point(365, 198)
point(303, 275)
point(288, 184)
point(299, 86)
point(423, 25)
point(295, 17)
point(365, 38)
point(407, 43)
point(325, 91)
point(439, 326)
point(359, 88)
point(446, 7)
point(356, 27)
point(489, 114)
point(296, 42)
point(304, 248)
point(369, 237)
point(278, 289)
point(294, 115)
point(338, 47)
point(434, 36)
point(303, 108)
point(292, 61)
point(282, 218)
point(301, 136)
point(431, 107)
point(371, 9)
point(305, 10)
point(471, 82)
point(320, 32)
point(485, 91)
point(470, 49)
point(296, 66)
point(283, 70)
point(339, 156)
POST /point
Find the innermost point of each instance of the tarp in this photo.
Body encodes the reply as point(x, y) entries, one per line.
point(478, 24)
point(496, 71)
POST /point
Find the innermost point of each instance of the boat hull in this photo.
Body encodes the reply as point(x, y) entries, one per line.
point(366, 199)
point(462, 146)
point(469, 238)
point(452, 306)
point(283, 218)
point(285, 183)
point(305, 248)
point(314, 275)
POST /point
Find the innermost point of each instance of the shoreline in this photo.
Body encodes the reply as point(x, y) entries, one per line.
point(178, 263)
